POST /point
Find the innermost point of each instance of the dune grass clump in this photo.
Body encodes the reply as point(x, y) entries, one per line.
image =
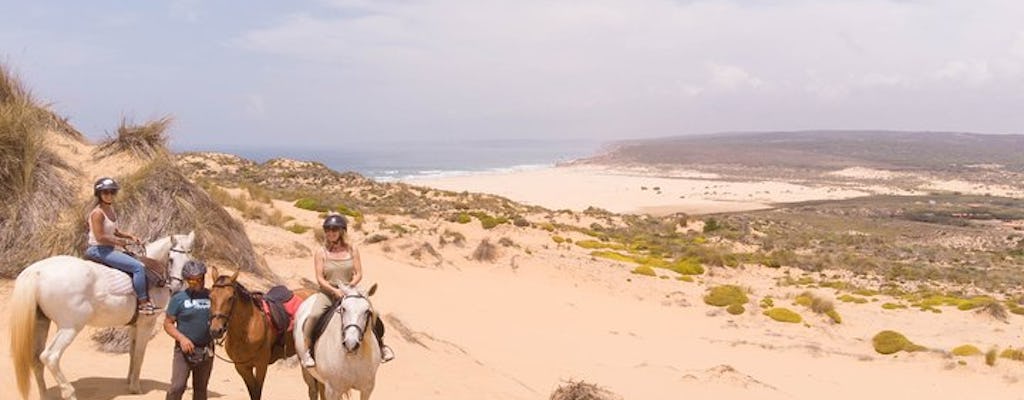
point(767, 303)
point(449, 236)
point(298, 228)
point(819, 305)
point(145, 141)
point(488, 221)
point(966, 350)
point(893, 306)
point(990, 357)
point(726, 295)
point(644, 270)
point(485, 252)
point(735, 309)
point(852, 299)
point(594, 244)
point(1012, 354)
point(579, 390)
point(558, 239)
point(890, 342)
point(784, 315)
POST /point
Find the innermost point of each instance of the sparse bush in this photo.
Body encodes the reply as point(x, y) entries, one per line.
point(463, 218)
point(834, 315)
point(485, 251)
point(767, 303)
point(852, 299)
point(298, 228)
point(520, 222)
point(735, 309)
point(579, 390)
point(141, 140)
point(893, 306)
point(966, 350)
point(889, 342)
point(375, 238)
point(990, 357)
point(506, 242)
point(644, 270)
point(449, 236)
point(1012, 354)
point(783, 315)
point(311, 204)
point(725, 295)
point(558, 239)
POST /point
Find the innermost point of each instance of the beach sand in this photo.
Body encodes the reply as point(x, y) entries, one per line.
point(543, 313)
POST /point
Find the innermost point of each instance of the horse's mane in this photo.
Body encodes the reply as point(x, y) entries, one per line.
point(241, 290)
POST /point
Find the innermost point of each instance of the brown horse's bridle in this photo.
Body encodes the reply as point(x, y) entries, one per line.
point(227, 318)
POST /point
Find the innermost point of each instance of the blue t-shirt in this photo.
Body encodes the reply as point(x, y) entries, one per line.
point(192, 312)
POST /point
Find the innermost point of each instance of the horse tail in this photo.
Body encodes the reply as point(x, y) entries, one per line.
point(23, 327)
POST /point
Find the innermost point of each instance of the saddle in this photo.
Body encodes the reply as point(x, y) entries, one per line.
point(321, 323)
point(155, 270)
point(280, 305)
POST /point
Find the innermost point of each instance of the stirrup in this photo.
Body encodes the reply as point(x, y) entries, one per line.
point(386, 354)
point(306, 359)
point(147, 309)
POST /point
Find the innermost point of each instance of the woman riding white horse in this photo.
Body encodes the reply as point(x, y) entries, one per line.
point(73, 293)
point(104, 236)
point(347, 353)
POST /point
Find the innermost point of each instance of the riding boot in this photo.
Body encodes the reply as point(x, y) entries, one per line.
point(302, 346)
point(386, 354)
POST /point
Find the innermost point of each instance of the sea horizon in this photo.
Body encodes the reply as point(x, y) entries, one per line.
point(422, 159)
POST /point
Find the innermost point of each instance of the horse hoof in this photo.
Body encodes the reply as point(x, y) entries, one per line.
point(135, 389)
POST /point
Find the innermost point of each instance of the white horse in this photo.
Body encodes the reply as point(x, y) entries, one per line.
point(347, 354)
point(72, 293)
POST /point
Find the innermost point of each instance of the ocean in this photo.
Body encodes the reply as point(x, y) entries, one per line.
point(417, 160)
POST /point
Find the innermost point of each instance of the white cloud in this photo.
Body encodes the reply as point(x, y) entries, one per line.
point(731, 77)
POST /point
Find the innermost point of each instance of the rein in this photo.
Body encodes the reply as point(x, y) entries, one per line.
point(227, 318)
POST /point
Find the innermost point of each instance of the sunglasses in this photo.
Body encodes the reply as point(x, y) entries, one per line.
point(197, 279)
point(110, 192)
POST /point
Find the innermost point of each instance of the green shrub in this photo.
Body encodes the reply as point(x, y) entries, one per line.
point(594, 244)
point(735, 309)
point(726, 295)
point(311, 204)
point(834, 315)
point(558, 239)
point(890, 342)
point(1012, 354)
point(644, 270)
point(547, 226)
point(784, 315)
point(297, 228)
point(463, 218)
point(990, 357)
point(686, 278)
point(893, 306)
point(520, 222)
point(767, 303)
point(852, 299)
point(966, 350)
point(686, 266)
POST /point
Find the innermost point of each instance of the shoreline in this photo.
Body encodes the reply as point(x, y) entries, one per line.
point(629, 190)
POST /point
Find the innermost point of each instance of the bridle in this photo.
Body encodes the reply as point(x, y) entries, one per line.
point(227, 318)
point(167, 271)
point(341, 312)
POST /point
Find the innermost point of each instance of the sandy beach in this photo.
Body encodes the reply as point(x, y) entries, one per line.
point(522, 325)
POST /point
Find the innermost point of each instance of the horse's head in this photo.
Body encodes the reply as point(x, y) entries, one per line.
point(176, 250)
point(179, 253)
point(357, 317)
point(222, 301)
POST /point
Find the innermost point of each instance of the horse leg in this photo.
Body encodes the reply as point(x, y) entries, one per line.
point(51, 357)
point(245, 371)
point(140, 333)
point(42, 331)
point(261, 374)
point(364, 393)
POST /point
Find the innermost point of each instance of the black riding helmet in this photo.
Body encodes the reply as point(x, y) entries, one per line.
point(336, 221)
point(193, 269)
point(104, 184)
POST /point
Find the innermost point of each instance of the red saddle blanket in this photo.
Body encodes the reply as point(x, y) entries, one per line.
point(290, 307)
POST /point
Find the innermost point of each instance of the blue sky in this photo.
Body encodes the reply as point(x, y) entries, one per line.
point(328, 73)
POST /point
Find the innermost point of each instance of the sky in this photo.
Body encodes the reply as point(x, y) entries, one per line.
point(337, 72)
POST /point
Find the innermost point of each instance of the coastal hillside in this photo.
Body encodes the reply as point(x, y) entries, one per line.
point(918, 291)
point(827, 149)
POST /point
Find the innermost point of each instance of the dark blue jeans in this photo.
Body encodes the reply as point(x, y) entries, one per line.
point(118, 260)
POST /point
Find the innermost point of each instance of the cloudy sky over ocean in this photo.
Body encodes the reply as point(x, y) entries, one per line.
point(327, 73)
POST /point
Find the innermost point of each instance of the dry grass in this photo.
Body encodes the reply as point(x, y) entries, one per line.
point(34, 181)
point(485, 251)
point(159, 200)
point(145, 141)
point(579, 390)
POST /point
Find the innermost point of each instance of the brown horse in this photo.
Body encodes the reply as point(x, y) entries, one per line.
point(251, 336)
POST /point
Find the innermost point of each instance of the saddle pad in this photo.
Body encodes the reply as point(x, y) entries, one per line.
point(273, 309)
point(112, 281)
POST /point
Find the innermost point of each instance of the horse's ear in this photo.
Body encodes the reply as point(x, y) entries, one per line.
point(234, 276)
point(192, 236)
point(174, 241)
point(373, 289)
point(215, 272)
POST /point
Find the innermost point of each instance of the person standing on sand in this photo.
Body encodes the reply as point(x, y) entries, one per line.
point(188, 322)
point(337, 263)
